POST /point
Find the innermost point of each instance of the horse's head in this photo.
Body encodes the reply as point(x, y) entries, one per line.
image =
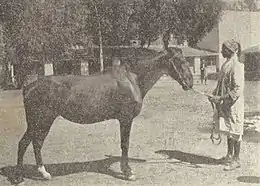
point(178, 68)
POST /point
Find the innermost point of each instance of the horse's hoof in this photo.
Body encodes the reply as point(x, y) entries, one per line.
point(132, 177)
point(44, 173)
point(47, 176)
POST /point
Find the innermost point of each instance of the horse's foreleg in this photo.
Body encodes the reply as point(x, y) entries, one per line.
point(37, 142)
point(125, 129)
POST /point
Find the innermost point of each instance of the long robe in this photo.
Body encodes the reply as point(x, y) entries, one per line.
point(229, 114)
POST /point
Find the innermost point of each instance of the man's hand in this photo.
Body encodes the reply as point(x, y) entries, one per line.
point(215, 99)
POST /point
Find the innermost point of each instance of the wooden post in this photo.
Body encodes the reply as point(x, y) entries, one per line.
point(12, 72)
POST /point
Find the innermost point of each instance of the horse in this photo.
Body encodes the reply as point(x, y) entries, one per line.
point(96, 98)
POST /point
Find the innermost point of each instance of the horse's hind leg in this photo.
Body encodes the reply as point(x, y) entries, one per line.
point(22, 146)
point(40, 134)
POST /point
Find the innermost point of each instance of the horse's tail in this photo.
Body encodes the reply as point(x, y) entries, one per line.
point(23, 87)
point(27, 88)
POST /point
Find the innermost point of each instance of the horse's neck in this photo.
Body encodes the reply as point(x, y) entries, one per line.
point(149, 77)
point(149, 81)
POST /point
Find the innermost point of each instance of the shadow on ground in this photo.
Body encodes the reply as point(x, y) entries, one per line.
point(101, 166)
point(63, 169)
point(189, 158)
point(249, 179)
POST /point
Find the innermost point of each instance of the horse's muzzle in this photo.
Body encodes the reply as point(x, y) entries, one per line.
point(186, 87)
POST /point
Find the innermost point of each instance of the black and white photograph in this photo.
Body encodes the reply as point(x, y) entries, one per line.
point(129, 92)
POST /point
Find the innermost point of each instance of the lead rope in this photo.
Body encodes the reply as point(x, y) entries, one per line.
point(215, 140)
point(179, 74)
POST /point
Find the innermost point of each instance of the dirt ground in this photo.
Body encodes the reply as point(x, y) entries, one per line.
point(169, 143)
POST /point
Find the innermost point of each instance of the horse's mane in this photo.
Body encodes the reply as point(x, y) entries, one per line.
point(138, 53)
point(135, 56)
point(130, 57)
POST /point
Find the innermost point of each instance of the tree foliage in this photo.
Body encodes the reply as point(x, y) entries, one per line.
point(243, 5)
point(52, 26)
point(251, 4)
point(148, 19)
point(47, 29)
point(196, 19)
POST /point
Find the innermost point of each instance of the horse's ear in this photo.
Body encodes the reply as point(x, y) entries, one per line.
point(177, 52)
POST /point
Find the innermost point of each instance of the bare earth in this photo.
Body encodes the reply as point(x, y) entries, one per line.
point(169, 143)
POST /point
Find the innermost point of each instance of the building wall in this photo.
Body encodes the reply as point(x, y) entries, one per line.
point(255, 28)
point(234, 25)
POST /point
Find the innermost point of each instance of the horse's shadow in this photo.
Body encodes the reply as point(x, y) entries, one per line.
point(193, 159)
point(102, 166)
point(99, 166)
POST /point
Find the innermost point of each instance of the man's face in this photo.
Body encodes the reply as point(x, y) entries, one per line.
point(226, 53)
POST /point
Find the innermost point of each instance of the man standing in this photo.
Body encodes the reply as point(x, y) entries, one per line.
point(229, 101)
point(203, 72)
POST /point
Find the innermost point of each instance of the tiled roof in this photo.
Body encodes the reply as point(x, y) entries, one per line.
point(193, 52)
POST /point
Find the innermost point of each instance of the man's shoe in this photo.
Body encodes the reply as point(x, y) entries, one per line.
point(226, 159)
point(232, 165)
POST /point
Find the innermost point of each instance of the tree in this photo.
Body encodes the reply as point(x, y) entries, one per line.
point(251, 4)
point(195, 18)
point(10, 18)
point(47, 29)
point(243, 5)
point(42, 31)
point(148, 19)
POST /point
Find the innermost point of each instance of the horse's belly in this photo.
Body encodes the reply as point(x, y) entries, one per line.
point(82, 120)
point(88, 115)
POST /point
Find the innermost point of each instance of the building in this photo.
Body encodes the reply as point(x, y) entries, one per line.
point(251, 57)
point(242, 26)
point(194, 56)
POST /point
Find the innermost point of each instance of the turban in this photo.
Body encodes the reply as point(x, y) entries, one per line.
point(231, 45)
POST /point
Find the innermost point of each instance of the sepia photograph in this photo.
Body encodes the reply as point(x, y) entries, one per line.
point(129, 92)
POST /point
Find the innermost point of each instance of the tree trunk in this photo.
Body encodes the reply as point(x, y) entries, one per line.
point(101, 57)
point(6, 80)
point(101, 51)
point(166, 39)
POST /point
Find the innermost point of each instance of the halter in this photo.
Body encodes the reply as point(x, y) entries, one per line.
point(178, 73)
point(212, 137)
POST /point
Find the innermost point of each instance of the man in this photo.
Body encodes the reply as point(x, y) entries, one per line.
point(229, 101)
point(203, 72)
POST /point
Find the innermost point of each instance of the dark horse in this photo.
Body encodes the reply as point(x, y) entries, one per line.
point(92, 99)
